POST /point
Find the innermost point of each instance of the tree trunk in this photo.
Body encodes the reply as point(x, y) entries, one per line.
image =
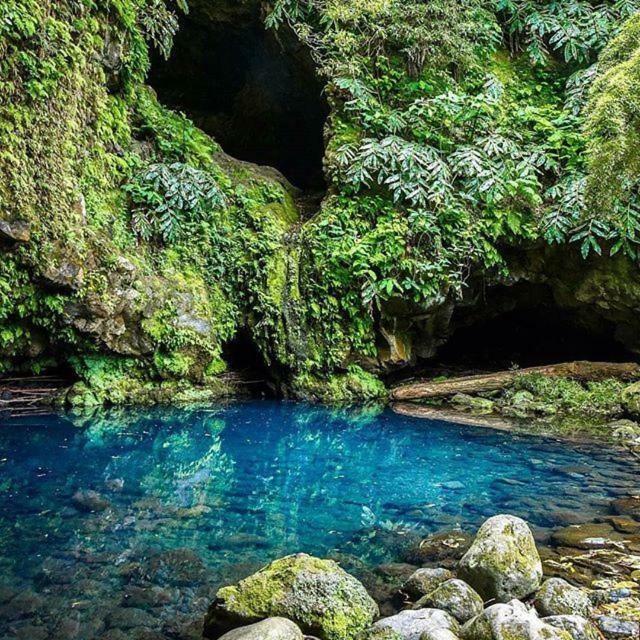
point(581, 370)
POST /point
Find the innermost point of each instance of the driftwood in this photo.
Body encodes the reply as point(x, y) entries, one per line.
point(580, 370)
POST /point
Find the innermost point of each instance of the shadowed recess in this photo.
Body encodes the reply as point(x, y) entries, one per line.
point(255, 91)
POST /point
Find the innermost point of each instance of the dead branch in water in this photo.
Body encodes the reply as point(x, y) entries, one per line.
point(580, 370)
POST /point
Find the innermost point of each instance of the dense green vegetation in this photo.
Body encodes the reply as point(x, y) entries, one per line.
point(457, 129)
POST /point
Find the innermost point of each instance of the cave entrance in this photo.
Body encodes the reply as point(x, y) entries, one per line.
point(523, 325)
point(254, 90)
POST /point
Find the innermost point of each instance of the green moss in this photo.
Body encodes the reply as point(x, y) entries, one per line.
point(355, 385)
point(316, 594)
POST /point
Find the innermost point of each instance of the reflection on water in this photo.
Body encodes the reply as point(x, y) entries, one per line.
point(126, 521)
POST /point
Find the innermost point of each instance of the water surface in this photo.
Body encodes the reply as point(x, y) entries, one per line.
point(191, 499)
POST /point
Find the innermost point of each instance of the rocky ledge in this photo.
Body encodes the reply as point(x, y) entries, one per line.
point(497, 590)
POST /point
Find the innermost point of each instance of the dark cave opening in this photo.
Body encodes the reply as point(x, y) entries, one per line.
point(249, 366)
point(254, 90)
point(522, 325)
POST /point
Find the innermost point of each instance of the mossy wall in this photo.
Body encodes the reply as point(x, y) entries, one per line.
point(133, 248)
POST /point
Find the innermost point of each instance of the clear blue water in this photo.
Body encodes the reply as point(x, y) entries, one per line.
point(195, 498)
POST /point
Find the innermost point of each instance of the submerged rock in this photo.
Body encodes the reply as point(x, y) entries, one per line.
point(557, 597)
point(587, 536)
point(511, 621)
point(442, 548)
point(455, 597)
point(319, 596)
point(269, 629)
point(629, 506)
point(412, 624)
point(578, 627)
point(503, 562)
point(89, 500)
point(424, 581)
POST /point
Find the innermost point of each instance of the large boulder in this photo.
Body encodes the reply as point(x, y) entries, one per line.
point(503, 562)
point(455, 597)
point(269, 629)
point(578, 627)
point(319, 596)
point(511, 621)
point(424, 581)
point(557, 597)
point(413, 623)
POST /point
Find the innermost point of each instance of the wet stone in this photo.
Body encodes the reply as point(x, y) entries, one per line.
point(147, 597)
point(90, 501)
point(628, 506)
point(181, 567)
point(440, 548)
point(129, 618)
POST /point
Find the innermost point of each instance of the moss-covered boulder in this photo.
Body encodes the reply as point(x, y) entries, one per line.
point(503, 562)
point(557, 597)
point(424, 581)
point(578, 627)
point(269, 629)
point(455, 597)
point(413, 623)
point(319, 596)
point(510, 621)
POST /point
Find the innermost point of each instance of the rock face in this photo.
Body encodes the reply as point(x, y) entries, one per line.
point(557, 597)
point(503, 562)
point(512, 621)
point(424, 581)
point(319, 596)
point(269, 629)
point(412, 624)
point(455, 597)
point(577, 627)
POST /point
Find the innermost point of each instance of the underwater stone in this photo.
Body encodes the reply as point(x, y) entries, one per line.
point(510, 621)
point(89, 500)
point(629, 506)
point(586, 536)
point(318, 595)
point(440, 548)
point(411, 624)
point(424, 581)
point(455, 597)
point(269, 629)
point(557, 597)
point(578, 627)
point(503, 562)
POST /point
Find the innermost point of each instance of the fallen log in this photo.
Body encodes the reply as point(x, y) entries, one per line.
point(584, 371)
